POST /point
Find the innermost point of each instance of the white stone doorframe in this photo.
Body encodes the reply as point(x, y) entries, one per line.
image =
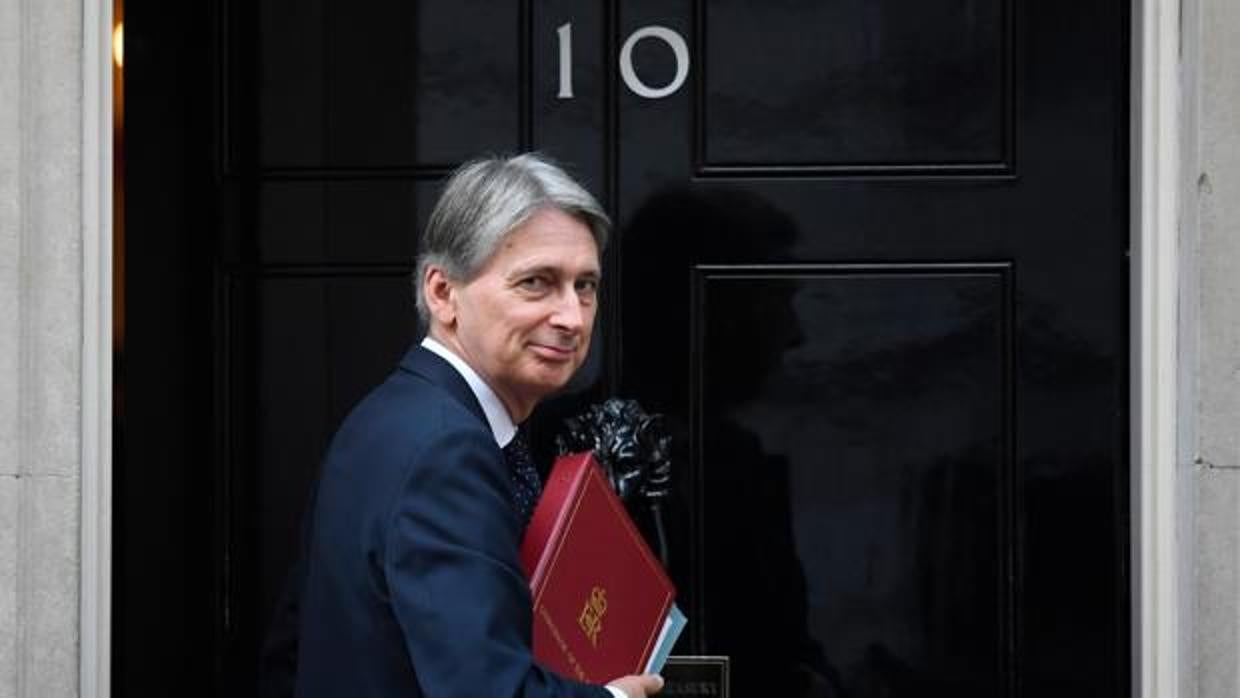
point(95, 594)
point(1154, 346)
point(1154, 339)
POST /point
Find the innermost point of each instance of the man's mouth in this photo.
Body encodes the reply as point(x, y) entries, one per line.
point(554, 352)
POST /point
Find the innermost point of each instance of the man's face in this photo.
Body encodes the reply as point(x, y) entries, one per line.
point(524, 322)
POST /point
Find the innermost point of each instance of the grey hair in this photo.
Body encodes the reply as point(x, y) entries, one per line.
point(486, 199)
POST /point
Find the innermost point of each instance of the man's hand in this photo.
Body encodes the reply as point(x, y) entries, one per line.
point(639, 686)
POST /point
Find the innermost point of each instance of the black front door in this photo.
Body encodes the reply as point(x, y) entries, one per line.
point(870, 263)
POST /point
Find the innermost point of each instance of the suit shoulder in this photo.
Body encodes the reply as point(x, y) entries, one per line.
point(405, 409)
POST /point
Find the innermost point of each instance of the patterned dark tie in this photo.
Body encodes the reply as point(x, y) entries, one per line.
point(526, 485)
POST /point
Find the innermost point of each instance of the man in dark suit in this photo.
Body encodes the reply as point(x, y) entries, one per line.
point(412, 584)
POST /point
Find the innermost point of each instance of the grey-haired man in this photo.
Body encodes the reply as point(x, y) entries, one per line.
point(412, 584)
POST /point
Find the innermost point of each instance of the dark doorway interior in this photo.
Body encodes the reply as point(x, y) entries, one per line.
point(166, 592)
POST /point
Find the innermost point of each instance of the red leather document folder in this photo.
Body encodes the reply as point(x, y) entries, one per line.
point(600, 595)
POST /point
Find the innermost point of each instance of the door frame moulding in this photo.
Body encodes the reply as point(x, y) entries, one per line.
point(1154, 345)
point(1153, 341)
point(95, 590)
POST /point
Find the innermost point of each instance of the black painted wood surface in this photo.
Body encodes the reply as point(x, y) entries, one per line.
point(870, 261)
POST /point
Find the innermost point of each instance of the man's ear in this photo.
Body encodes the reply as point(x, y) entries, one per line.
point(440, 295)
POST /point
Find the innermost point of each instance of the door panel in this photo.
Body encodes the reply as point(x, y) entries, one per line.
point(855, 458)
point(341, 222)
point(895, 85)
point(372, 84)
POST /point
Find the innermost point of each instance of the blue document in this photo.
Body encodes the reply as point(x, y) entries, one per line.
point(672, 625)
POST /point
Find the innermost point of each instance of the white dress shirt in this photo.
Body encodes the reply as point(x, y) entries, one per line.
point(502, 426)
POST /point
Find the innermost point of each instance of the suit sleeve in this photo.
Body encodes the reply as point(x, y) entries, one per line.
point(455, 582)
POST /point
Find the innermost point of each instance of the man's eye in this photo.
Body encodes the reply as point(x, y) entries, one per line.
point(533, 283)
point(587, 290)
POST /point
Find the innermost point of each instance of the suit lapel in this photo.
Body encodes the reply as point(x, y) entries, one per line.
point(423, 362)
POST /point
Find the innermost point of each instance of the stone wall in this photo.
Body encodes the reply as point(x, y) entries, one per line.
point(1212, 216)
point(40, 345)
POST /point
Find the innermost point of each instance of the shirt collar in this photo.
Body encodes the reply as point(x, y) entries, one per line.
point(502, 427)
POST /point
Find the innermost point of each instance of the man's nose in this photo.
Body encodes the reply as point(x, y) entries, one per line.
point(568, 315)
